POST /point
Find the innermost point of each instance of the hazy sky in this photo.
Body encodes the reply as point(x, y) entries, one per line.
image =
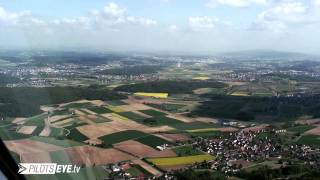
point(161, 25)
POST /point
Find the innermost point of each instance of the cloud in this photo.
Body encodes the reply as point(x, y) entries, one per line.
point(22, 18)
point(235, 3)
point(114, 10)
point(280, 16)
point(173, 28)
point(111, 26)
point(111, 16)
point(317, 2)
point(287, 12)
point(205, 23)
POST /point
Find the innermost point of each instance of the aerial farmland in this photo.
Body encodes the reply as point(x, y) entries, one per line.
point(160, 120)
point(116, 132)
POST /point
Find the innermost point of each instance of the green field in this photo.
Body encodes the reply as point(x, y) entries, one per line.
point(273, 164)
point(76, 135)
point(77, 105)
point(83, 111)
point(137, 170)
point(186, 151)
point(147, 139)
point(161, 120)
point(60, 157)
point(99, 110)
point(8, 132)
point(121, 136)
point(36, 120)
point(156, 120)
point(174, 108)
point(100, 119)
point(63, 143)
point(56, 132)
point(309, 140)
point(133, 116)
point(69, 123)
point(75, 124)
point(116, 103)
point(300, 129)
point(153, 141)
point(60, 112)
point(62, 119)
point(176, 161)
point(153, 113)
point(38, 130)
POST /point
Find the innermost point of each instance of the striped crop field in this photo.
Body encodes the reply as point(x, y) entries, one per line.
point(202, 130)
point(120, 117)
point(155, 95)
point(115, 108)
point(176, 161)
point(203, 78)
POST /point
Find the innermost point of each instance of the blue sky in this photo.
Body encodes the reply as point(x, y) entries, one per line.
point(161, 25)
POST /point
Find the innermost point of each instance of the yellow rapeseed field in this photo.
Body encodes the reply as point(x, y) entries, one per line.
point(202, 130)
point(203, 78)
point(176, 161)
point(120, 117)
point(115, 108)
point(239, 94)
point(156, 95)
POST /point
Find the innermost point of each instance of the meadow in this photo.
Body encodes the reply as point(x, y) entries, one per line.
point(153, 113)
point(76, 135)
point(309, 140)
point(133, 116)
point(187, 150)
point(300, 129)
point(121, 136)
point(153, 141)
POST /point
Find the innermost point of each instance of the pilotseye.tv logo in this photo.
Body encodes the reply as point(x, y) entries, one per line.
point(46, 168)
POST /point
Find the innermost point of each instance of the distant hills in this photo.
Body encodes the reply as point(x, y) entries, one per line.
point(268, 54)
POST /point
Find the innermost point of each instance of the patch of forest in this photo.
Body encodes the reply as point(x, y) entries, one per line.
point(6, 79)
point(171, 87)
point(132, 70)
point(259, 108)
point(26, 101)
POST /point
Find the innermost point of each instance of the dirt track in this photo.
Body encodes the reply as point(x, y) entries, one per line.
point(173, 137)
point(147, 167)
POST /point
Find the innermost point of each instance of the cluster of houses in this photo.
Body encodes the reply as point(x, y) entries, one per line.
point(242, 149)
point(120, 171)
